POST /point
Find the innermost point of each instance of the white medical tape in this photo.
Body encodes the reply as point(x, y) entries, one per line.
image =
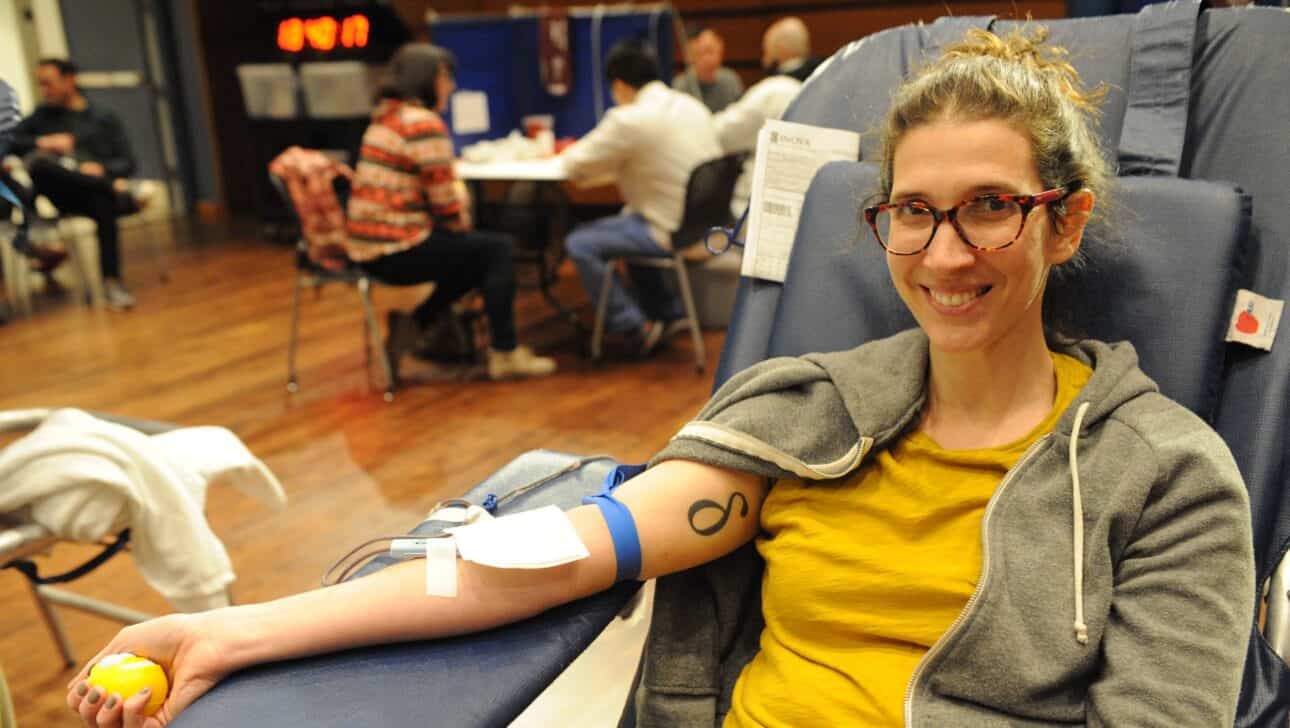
point(537, 539)
point(441, 567)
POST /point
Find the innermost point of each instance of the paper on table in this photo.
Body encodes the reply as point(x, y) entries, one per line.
point(469, 112)
point(537, 539)
point(788, 155)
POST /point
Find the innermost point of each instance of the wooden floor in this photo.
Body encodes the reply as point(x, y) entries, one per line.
point(209, 347)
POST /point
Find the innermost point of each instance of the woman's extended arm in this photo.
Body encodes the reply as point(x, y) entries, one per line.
point(686, 514)
point(391, 605)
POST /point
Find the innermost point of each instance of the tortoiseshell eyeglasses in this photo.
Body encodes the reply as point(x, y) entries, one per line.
point(985, 222)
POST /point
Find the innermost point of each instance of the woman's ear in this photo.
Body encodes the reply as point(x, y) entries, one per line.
point(1070, 229)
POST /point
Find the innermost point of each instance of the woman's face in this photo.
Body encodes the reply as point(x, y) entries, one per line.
point(444, 84)
point(968, 300)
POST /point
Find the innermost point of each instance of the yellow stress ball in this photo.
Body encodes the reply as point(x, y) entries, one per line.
point(126, 674)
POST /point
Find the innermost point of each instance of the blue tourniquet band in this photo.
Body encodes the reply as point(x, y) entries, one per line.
point(622, 527)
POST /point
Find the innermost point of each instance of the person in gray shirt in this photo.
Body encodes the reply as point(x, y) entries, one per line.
point(706, 79)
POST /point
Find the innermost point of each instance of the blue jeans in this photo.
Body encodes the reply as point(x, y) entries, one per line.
point(591, 246)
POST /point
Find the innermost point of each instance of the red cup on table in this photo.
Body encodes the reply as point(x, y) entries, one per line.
point(540, 127)
point(535, 124)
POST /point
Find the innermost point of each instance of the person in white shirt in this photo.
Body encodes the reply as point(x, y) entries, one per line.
point(738, 124)
point(649, 142)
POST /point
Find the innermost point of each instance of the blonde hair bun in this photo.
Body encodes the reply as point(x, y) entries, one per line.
point(1026, 45)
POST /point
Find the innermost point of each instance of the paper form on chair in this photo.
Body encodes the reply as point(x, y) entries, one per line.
point(788, 155)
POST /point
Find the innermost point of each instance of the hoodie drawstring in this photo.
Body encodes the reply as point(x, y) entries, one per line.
point(1077, 523)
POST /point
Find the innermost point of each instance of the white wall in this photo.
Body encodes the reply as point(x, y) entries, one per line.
point(51, 40)
point(13, 62)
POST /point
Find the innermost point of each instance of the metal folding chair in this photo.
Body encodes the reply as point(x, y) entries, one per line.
point(311, 276)
point(707, 205)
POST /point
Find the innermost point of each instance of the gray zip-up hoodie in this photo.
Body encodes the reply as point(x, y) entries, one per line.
point(1117, 582)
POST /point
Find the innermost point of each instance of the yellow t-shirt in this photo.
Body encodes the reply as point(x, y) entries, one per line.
point(864, 575)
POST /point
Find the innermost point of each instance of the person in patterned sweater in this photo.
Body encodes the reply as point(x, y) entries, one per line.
point(408, 218)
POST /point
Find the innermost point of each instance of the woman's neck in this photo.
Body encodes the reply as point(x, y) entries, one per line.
point(984, 399)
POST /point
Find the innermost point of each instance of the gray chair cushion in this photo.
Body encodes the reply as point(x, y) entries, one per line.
point(1237, 131)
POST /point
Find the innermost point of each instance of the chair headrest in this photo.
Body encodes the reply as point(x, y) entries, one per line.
point(1167, 282)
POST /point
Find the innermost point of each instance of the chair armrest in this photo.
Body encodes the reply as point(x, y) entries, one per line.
point(484, 679)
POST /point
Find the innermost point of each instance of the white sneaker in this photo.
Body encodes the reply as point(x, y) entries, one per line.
point(116, 295)
point(143, 192)
point(657, 333)
point(518, 363)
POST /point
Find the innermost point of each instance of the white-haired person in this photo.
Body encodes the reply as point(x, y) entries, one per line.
point(786, 49)
point(738, 124)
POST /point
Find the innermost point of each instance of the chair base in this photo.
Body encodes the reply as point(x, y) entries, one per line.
point(80, 237)
point(26, 540)
point(676, 263)
point(17, 275)
point(371, 332)
point(47, 596)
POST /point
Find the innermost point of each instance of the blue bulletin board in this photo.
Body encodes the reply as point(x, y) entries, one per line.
point(499, 56)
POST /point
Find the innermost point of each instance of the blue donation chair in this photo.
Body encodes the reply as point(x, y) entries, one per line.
point(1195, 118)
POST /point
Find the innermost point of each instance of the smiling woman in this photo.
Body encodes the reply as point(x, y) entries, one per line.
point(959, 525)
point(1032, 88)
point(982, 296)
point(995, 133)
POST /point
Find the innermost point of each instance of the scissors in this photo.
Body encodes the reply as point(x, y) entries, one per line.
point(728, 235)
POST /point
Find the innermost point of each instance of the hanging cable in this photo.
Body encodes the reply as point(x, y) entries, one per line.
point(597, 81)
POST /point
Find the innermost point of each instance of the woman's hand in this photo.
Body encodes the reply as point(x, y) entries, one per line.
point(189, 647)
point(63, 143)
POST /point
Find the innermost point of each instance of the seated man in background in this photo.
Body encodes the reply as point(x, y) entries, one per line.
point(77, 155)
point(786, 49)
point(706, 79)
point(649, 143)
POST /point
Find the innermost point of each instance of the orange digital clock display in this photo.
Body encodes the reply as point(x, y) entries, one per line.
point(323, 34)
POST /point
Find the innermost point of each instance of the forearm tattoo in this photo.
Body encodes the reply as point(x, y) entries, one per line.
point(706, 505)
